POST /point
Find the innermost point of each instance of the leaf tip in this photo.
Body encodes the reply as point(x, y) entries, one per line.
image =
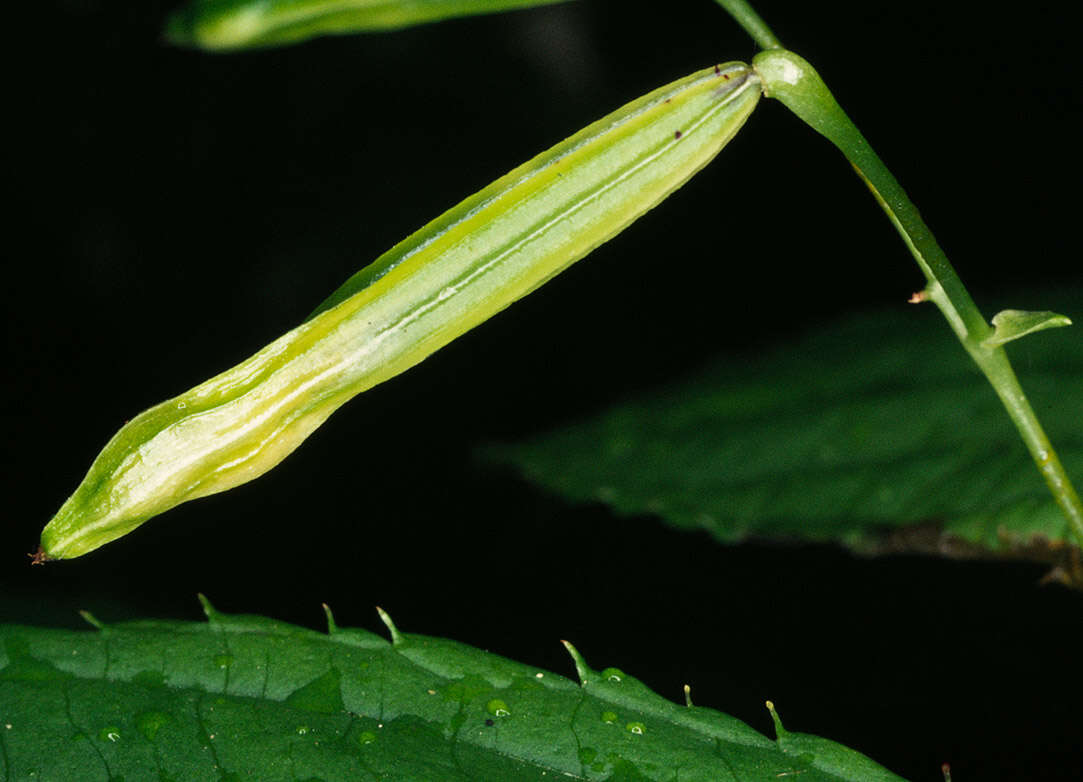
point(688, 696)
point(396, 636)
point(779, 730)
point(581, 668)
point(945, 769)
point(332, 628)
point(92, 620)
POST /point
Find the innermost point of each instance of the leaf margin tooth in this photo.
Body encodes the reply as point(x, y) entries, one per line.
point(214, 616)
point(92, 620)
point(332, 628)
point(582, 670)
point(397, 638)
point(780, 731)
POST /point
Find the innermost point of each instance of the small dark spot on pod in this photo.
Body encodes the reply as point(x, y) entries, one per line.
point(726, 76)
point(717, 70)
point(667, 100)
point(677, 134)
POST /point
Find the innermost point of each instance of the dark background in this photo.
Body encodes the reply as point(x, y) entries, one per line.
point(178, 210)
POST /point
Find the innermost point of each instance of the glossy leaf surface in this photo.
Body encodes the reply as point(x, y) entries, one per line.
point(249, 697)
point(874, 432)
point(242, 24)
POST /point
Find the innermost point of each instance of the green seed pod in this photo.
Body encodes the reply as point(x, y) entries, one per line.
point(243, 24)
point(454, 273)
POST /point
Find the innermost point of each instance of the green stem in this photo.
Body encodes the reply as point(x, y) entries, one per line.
point(792, 80)
point(743, 14)
point(998, 369)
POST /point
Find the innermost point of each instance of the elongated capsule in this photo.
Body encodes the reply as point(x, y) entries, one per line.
point(242, 24)
point(454, 273)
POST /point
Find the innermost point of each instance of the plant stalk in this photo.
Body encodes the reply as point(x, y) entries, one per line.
point(792, 80)
point(751, 22)
point(971, 329)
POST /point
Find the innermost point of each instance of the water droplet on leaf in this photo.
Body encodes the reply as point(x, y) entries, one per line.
point(497, 708)
point(366, 737)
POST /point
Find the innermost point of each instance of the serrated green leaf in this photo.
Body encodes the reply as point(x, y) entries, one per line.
point(252, 698)
point(244, 24)
point(1009, 325)
point(877, 432)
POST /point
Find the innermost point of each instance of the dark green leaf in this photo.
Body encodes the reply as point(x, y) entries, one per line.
point(244, 697)
point(878, 432)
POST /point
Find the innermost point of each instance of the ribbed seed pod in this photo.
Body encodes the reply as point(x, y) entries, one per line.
point(454, 273)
